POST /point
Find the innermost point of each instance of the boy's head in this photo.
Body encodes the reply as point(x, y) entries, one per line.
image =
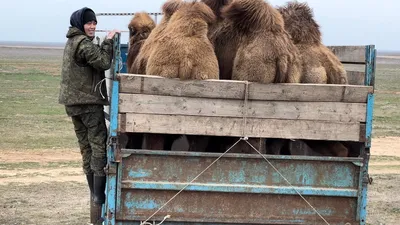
point(85, 20)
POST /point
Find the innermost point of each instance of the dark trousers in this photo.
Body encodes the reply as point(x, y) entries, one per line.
point(91, 131)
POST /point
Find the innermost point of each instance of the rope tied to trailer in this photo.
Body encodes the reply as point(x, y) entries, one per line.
point(243, 138)
point(187, 185)
point(202, 172)
point(280, 174)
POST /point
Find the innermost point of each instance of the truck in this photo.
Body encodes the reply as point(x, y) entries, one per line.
point(201, 188)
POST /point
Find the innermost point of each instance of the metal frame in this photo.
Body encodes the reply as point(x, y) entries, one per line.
point(370, 67)
point(114, 153)
point(109, 208)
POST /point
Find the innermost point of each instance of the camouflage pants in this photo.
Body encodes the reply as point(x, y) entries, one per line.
point(91, 131)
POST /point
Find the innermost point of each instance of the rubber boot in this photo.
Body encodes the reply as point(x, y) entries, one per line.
point(99, 197)
point(99, 189)
point(94, 215)
point(90, 180)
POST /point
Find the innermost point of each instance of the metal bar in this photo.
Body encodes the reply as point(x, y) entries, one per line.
point(112, 147)
point(117, 55)
point(122, 31)
point(111, 193)
point(125, 14)
point(239, 188)
point(370, 69)
point(119, 187)
point(369, 119)
point(272, 221)
point(128, 152)
point(370, 65)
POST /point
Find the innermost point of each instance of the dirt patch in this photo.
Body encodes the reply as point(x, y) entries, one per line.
point(44, 204)
point(386, 146)
point(42, 156)
point(383, 200)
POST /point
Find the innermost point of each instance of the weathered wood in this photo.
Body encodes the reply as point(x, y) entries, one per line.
point(349, 54)
point(144, 84)
point(222, 126)
point(172, 105)
point(224, 89)
point(356, 77)
point(310, 92)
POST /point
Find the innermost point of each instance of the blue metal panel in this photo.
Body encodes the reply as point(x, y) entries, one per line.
point(150, 178)
point(114, 109)
point(124, 55)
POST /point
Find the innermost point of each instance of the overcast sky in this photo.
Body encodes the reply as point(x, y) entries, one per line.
point(343, 22)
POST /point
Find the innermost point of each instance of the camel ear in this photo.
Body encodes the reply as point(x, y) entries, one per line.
point(216, 5)
point(206, 12)
point(171, 6)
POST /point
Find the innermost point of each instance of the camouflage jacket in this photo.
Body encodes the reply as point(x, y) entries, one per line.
point(83, 69)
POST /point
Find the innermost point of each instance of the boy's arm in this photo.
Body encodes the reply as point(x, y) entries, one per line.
point(96, 56)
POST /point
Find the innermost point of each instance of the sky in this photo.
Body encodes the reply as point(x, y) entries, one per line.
point(343, 22)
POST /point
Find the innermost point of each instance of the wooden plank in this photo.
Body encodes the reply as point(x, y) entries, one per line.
point(310, 92)
point(356, 77)
point(349, 54)
point(154, 85)
point(172, 105)
point(217, 126)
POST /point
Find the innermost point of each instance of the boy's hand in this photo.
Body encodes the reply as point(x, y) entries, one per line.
point(111, 34)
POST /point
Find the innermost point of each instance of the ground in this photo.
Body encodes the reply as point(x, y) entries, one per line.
point(41, 180)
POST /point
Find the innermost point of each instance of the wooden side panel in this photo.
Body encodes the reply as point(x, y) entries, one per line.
point(349, 54)
point(154, 85)
point(356, 77)
point(172, 105)
point(222, 126)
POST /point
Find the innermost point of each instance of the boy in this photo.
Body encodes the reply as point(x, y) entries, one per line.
point(84, 94)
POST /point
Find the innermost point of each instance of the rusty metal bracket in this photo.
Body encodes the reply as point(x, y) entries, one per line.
point(367, 179)
point(114, 143)
point(110, 169)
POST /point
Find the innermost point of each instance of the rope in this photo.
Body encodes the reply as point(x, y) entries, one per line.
point(244, 138)
point(287, 182)
point(201, 173)
point(147, 223)
point(99, 84)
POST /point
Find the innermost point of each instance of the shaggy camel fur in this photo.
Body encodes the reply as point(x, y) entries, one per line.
point(184, 50)
point(140, 28)
point(319, 63)
point(265, 53)
point(252, 44)
point(140, 63)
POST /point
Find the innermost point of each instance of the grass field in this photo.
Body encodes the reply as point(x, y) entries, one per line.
point(30, 115)
point(40, 174)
